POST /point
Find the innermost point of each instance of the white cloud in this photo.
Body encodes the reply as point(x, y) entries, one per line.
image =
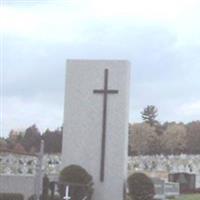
point(155, 9)
point(66, 21)
point(191, 109)
point(40, 24)
point(18, 22)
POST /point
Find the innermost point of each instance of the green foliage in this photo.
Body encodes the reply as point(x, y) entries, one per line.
point(3, 143)
point(189, 197)
point(168, 138)
point(127, 197)
point(33, 197)
point(31, 139)
point(79, 180)
point(52, 141)
point(11, 196)
point(149, 115)
point(143, 139)
point(140, 187)
point(193, 137)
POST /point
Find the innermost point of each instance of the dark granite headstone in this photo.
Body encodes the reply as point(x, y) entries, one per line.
point(186, 181)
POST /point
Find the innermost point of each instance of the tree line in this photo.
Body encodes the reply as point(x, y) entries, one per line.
point(29, 140)
point(146, 138)
point(152, 137)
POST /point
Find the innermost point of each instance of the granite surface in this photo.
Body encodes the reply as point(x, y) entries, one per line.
point(83, 123)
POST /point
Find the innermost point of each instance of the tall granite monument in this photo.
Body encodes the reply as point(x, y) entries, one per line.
point(96, 123)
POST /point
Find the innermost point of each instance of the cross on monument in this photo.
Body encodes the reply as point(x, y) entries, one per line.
point(67, 197)
point(105, 91)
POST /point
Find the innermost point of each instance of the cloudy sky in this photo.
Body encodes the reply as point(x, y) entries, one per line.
point(161, 38)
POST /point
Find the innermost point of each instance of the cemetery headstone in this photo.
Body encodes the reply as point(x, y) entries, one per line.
point(96, 123)
point(187, 181)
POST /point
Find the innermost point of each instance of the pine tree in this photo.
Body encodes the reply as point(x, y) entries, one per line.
point(149, 115)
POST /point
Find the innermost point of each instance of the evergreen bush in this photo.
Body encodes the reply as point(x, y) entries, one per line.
point(11, 196)
point(79, 181)
point(140, 187)
point(33, 197)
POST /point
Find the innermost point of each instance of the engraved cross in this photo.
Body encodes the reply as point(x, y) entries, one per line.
point(105, 91)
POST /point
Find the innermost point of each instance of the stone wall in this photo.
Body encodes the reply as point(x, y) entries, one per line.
point(17, 184)
point(170, 163)
point(24, 164)
point(16, 164)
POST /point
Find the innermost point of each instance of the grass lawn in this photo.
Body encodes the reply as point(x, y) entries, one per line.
point(189, 197)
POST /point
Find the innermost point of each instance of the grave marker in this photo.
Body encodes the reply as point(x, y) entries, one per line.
point(96, 132)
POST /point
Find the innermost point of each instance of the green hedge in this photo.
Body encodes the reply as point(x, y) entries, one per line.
point(140, 187)
point(48, 198)
point(76, 175)
point(11, 196)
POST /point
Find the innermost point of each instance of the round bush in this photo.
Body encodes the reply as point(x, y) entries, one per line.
point(11, 196)
point(140, 187)
point(33, 197)
point(79, 181)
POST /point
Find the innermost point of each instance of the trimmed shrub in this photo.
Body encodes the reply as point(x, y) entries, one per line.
point(140, 187)
point(11, 196)
point(79, 181)
point(127, 197)
point(33, 197)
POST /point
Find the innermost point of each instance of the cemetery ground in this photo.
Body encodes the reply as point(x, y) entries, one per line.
point(189, 197)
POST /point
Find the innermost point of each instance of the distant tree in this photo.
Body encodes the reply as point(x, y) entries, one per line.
point(159, 129)
point(10, 144)
point(155, 144)
point(3, 143)
point(140, 137)
point(174, 138)
point(193, 137)
point(149, 115)
point(31, 139)
point(52, 141)
point(13, 139)
point(19, 148)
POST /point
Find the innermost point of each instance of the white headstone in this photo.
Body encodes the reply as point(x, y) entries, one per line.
point(96, 123)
